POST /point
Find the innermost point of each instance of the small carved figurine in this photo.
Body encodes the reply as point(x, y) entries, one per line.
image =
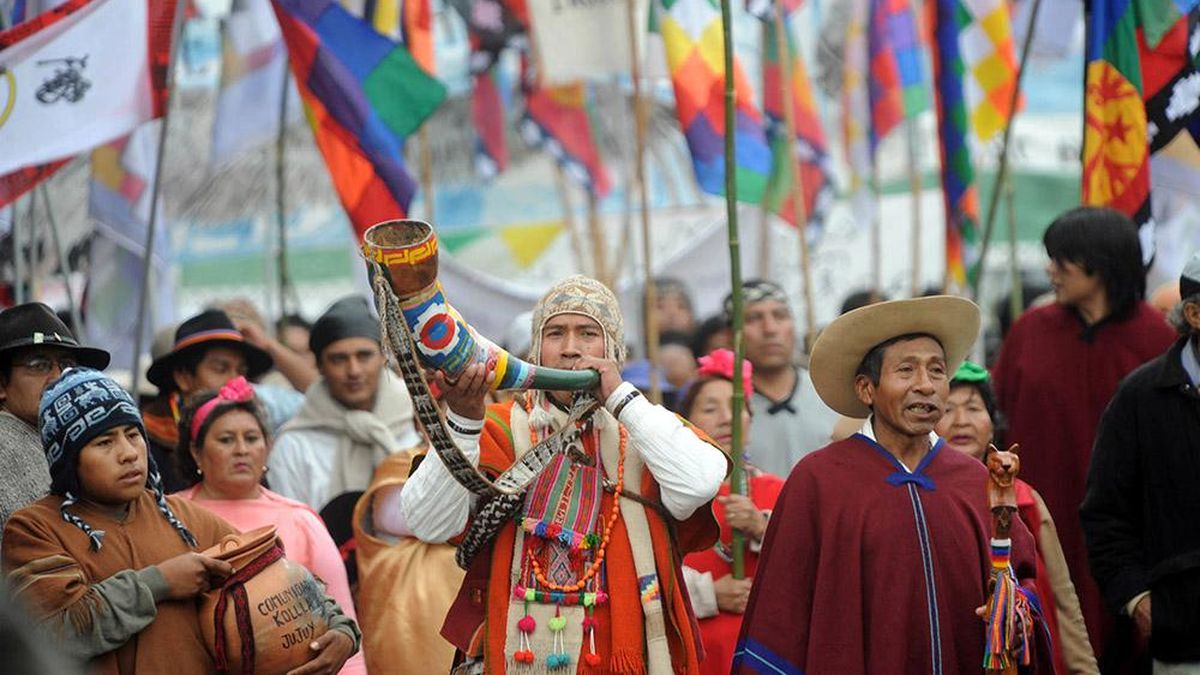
point(1003, 467)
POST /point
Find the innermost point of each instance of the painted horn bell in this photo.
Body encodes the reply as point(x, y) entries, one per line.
point(405, 252)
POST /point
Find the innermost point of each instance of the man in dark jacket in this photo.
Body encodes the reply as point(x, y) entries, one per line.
point(1140, 511)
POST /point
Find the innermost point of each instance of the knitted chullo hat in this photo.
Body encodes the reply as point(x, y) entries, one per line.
point(77, 407)
point(574, 295)
point(586, 296)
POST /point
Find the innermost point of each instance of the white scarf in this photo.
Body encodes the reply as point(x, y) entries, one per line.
point(365, 438)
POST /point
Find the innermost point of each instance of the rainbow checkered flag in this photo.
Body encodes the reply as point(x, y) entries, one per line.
point(989, 63)
point(808, 146)
point(958, 174)
point(691, 34)
point(896, 82)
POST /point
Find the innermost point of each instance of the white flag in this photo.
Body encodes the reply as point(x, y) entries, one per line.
point(82, 81)
point(253, 64)
point(585, 40)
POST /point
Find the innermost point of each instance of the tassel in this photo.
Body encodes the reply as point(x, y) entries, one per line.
point(1009, 619)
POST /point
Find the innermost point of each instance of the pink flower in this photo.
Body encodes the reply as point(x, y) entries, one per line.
point(719, 363)
point(237, 390)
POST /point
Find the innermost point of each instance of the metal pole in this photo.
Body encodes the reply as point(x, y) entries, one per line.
point(76, 315)
point(1002, 169)
point(737, 477)
point(650, 330)
point(155, 194)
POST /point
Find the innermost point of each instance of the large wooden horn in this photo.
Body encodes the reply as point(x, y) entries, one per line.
point(405, 252)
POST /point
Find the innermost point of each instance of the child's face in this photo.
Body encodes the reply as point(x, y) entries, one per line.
point(113, 466)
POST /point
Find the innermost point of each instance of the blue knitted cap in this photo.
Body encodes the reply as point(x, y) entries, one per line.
point(77, 407)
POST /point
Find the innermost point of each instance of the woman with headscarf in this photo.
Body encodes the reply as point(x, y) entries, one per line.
point(969, 426)
point(106, 562)
point(718, 598)
point(223, 447)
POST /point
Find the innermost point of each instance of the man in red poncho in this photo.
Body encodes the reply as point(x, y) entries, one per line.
point(877, 554)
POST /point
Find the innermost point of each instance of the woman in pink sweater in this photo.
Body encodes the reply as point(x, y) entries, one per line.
point(223, 448)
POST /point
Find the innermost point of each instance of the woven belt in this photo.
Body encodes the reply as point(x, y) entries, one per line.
point(512, 483)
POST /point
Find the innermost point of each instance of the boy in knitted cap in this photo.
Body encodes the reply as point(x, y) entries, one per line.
point(587, 577)
point(106, 562)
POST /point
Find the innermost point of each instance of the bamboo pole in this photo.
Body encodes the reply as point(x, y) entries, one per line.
point(155, 194)
point(737, 477)
point(650, 329)
point(1002, 168)
point(285, 281)
point(63, 263)
point(798, 207)
point(914, 184)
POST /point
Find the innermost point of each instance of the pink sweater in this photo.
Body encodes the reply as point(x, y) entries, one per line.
point(305, 540)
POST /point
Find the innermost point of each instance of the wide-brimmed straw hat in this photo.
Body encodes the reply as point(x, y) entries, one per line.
point(841, 347)
point(209, 328)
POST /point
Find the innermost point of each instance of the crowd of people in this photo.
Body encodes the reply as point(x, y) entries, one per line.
point(862, 528)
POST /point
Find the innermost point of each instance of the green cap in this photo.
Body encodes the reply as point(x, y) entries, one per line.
point(970, 371)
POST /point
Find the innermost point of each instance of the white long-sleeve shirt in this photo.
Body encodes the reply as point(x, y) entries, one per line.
point(434, 507)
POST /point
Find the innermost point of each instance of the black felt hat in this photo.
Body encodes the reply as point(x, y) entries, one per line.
point(207, 329)
point(34, 324)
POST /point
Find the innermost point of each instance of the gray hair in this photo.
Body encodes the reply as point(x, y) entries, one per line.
point(1178, 320)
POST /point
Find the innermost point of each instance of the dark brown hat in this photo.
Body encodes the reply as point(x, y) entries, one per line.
point(207, 329)
point(35, 324)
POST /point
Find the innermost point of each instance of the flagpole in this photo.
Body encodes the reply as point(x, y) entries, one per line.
point(599, 245)
point(876, 234)
point(18, 268)
point(650, 329)
point(569, 221)
point(1016, 302)
point(285, 280)
point(914, 183)
point(1002, 168)
point(76, 315)
point(737, 476)
point(799, 211)
point(426, 171)
point(155, 193)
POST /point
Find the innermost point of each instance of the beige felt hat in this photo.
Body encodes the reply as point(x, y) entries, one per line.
point(841, 347)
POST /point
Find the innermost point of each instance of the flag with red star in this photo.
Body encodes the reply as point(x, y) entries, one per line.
point(1116, 155)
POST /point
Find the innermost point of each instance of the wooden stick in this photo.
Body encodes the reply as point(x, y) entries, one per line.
point(914, 183)
point(737, 477)
point(155, 194)
point(285, 281)
point(1002, 168)
point(650, 329)
point(799, 211)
